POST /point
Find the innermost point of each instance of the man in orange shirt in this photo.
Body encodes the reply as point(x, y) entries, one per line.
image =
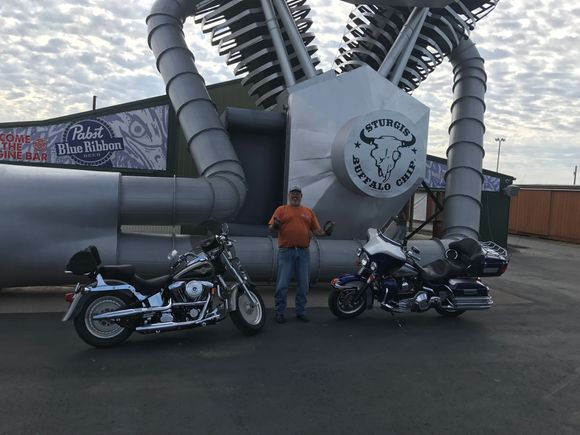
point(294, 223)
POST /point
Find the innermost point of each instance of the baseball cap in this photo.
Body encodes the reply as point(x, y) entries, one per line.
point(295, 189)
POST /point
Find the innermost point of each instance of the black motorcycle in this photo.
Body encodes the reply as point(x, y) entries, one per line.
point(117, 302)
point(391, 275)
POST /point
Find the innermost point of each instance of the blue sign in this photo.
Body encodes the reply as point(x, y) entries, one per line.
point(89, 142)
point(135, 139)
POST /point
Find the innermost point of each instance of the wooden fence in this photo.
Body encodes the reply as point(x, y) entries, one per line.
point(553, 213)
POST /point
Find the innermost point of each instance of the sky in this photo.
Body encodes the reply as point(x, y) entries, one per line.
point(56, 54)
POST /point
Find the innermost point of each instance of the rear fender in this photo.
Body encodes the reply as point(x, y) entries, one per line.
point(82, 294)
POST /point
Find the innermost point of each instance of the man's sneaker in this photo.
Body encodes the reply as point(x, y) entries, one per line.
point(302, 318)
point(280, 318)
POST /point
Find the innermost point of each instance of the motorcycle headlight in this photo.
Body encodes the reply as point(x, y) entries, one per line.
point(364, 259)
point(373, 266)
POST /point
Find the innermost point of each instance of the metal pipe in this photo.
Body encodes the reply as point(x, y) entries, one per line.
point(397, 73)
point(465, 154)
point(168, 326)
point(277, 41)
point(258, 255)
point(209, 144)
point(131, 312)
point(295, 38)
point(400, 42)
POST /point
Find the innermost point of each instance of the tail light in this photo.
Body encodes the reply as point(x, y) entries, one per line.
point(503, 268)
point(69, 297)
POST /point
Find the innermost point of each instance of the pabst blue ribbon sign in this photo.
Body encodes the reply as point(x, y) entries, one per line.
point(132, 140)
point(89, 142)
point(380, 154)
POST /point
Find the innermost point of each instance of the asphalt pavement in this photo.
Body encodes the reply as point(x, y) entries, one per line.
point(514, 369)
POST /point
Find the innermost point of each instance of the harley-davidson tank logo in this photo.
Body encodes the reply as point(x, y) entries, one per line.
point(383, 155)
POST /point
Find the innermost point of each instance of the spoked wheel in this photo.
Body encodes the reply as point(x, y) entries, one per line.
point(101, 333)
point(249, 317)
point(346, 304)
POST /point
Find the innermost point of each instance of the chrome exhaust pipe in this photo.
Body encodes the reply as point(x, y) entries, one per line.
point(168, 326)
point(132, 312)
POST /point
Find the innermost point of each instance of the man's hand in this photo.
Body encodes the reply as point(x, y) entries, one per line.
point(277, 224)
point(328, 227)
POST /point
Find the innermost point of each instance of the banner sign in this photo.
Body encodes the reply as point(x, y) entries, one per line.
point(134, 139)
point(435, 178)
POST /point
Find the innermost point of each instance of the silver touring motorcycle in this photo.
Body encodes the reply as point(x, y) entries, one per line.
point(391, 274)
point(116, 301)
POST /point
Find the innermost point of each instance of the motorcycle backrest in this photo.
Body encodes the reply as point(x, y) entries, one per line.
point(95, 252)
point(82, 263)
point(470, 253)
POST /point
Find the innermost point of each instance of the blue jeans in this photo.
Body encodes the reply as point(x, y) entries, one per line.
point(292, 261)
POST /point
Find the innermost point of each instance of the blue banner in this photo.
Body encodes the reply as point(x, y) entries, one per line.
point(134, 139)
point(435, 177)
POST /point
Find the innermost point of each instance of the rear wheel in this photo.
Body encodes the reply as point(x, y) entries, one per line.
point(102, 333)
point(346, 304)
point(249, 317)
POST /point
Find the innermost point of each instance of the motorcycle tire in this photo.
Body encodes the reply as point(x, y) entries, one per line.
point(249, 320)
point(342, 307)
point(449, 313)
point(101, 333)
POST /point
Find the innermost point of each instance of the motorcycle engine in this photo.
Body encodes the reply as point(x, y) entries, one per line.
point(195, 291)
point(192, 291)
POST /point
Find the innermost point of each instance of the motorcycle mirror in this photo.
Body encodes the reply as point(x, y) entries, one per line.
point(172, 255)
point(225, 229)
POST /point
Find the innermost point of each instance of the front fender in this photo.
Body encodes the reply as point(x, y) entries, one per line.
point(348, 281)
point(233, 298)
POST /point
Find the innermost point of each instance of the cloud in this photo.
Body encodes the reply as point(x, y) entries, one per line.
point(57, 54)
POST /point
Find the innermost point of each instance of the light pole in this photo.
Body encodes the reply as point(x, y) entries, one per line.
point(499, 140)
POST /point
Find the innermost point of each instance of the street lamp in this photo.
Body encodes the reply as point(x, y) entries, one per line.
point(499, 140)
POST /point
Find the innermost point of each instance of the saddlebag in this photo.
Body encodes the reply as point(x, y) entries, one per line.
point(469, 294)
point(495, 260)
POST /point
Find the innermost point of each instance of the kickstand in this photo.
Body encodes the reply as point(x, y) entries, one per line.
point(399, 324)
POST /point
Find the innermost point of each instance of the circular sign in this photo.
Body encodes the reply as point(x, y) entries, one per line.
point(376, 154)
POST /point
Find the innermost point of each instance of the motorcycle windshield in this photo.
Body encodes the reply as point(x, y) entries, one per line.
point(379, 244)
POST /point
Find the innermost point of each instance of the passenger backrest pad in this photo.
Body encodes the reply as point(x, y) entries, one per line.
point(470, 253)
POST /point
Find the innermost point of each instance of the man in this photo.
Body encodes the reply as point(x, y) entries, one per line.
point(294, 223)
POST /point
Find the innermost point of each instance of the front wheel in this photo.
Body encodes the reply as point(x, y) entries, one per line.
point(346, 304)
point(101, 333)
point(249, 317)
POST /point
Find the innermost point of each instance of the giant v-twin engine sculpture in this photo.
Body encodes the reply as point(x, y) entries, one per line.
point(356, 139)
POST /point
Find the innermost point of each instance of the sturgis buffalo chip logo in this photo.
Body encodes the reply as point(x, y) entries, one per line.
point(383, 155)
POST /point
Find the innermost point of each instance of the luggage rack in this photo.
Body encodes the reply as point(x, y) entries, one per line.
point(493, 248)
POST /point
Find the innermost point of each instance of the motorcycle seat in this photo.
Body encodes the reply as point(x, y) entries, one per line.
point(151, 286)
point(124, 272)
point(441, 270)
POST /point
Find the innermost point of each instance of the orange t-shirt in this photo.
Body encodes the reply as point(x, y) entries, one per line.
point(297, 223)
